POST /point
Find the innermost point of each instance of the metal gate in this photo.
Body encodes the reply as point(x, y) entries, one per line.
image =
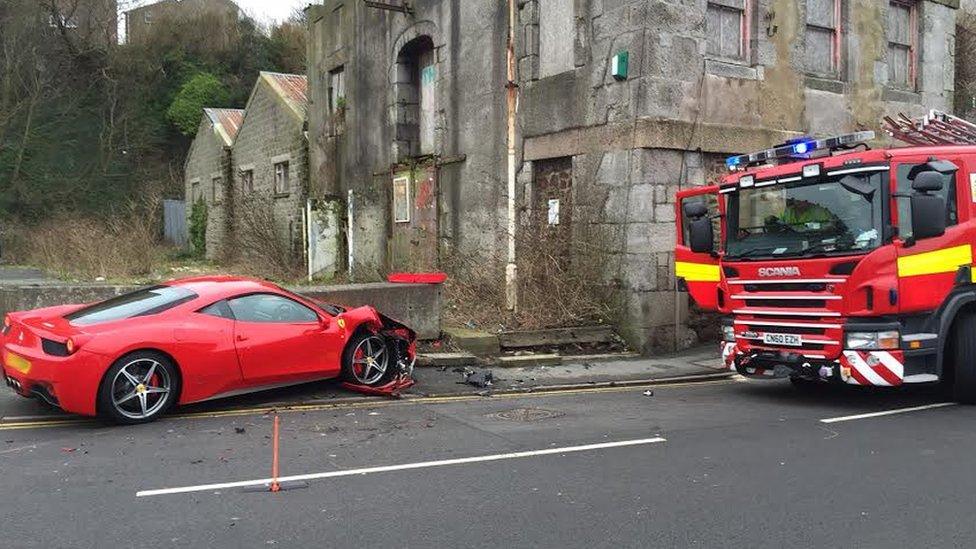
point(174, 223)
point(414, 211)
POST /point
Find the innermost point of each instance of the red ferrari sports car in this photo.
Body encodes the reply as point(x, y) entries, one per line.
point(132, 357)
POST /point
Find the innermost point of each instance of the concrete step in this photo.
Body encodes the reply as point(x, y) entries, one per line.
point(556, 336)
point(438, 360)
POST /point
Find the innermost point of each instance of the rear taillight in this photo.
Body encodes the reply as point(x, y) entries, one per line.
point(70, 346)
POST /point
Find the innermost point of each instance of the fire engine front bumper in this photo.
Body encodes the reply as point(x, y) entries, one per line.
point(869, 368)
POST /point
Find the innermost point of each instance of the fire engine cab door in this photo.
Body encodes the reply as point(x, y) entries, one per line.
point(927, 271)
point(699, 271)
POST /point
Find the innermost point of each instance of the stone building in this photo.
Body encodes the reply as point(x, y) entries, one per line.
point(218, 16)
point(621, 103)
point(92, 23)
point(207, 171)
point(270, 163)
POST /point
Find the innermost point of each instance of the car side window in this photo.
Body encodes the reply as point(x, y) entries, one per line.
point(270, 308)
point(948, 192)
point(219, 309)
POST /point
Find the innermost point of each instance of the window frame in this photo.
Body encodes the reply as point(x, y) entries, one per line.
point(951, 195)
point(745, 29)
point(215, 183)
point(836, 43)
point(337, 81)
point(911, 45)
point(282, 184)
point(318, 317)
point(247, 181)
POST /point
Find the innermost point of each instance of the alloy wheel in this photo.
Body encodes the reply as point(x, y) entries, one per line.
point(141, 388)
point(370, 360)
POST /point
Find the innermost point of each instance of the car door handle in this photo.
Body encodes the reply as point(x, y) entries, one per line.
point(242, 338)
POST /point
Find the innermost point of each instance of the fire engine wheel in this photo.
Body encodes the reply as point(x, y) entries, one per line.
point(964, 358)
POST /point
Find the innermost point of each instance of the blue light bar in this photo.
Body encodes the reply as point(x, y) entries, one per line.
point(800, 147)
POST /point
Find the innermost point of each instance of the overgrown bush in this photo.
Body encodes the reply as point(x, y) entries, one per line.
point(198, 92)
point(558, 286)
point(263, 249)
point(125, 244)
point(198, 228)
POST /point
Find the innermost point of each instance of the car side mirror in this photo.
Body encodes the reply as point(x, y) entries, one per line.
point(325, 322)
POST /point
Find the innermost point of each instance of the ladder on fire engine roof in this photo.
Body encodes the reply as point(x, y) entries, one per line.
point(936, 128)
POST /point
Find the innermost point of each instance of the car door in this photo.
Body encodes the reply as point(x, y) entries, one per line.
point(279, 339)
point(699, 271)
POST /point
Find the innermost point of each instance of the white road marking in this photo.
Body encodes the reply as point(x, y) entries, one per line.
point(401, 467)
point(887, 412)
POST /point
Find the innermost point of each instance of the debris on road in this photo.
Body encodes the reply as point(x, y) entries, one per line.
point(239, 430)
point(648, 393)
point(483, 379)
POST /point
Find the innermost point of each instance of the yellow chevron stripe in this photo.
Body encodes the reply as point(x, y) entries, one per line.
point(697, 272)
point(940, 261)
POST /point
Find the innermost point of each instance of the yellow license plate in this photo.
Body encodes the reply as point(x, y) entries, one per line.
point(18, 363)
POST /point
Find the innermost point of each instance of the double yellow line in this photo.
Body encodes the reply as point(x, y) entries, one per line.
point(353, 404)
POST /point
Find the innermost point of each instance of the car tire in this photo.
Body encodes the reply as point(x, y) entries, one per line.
point(358, 370)
point(131, 391)
point(964, 358)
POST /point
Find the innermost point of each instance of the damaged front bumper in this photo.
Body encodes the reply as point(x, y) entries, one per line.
point(880, 368)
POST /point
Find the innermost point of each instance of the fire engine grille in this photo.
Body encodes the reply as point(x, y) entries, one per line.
point(788, 303)
point(787, 287)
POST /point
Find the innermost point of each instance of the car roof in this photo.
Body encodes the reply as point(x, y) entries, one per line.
point(221, 286)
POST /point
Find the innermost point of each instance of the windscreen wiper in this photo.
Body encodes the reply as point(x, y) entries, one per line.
point(753, 252)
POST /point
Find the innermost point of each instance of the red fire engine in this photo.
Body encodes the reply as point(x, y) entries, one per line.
point(835, 262)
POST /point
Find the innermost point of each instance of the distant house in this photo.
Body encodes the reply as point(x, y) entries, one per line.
point(270, 154)
point(208, 171)
point(253, 161)
point(94, 23)
point(143, 22)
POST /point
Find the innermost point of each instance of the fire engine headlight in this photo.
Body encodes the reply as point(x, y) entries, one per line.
point(872, 341)
point(728, 333)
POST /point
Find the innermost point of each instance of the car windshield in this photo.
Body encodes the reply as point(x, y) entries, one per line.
point(143, 302)
point(835, 215)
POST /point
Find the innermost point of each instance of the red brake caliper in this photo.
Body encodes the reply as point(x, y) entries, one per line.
point(358, 366)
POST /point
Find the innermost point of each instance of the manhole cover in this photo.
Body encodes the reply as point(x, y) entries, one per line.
point(526, 414)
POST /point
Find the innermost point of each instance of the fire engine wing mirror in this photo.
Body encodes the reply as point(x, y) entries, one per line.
point(928, 181)
point(695, 209)
point(700, 234)
point(928, 215)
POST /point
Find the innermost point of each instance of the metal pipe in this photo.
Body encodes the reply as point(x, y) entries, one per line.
point(511, 269)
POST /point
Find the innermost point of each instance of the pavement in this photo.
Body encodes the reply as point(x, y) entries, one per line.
point(720, 463)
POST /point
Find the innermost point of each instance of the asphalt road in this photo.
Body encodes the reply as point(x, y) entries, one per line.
point(741, 465)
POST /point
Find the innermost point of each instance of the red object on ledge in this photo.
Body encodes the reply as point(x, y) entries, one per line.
point(417, 278)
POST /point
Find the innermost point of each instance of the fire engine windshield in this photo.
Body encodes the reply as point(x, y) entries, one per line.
point(833, 216)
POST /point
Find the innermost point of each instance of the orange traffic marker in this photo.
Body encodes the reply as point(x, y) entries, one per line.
point(275, 487)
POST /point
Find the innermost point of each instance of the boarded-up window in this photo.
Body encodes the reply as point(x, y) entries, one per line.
point(281, 183)
point(337, 90)
point(902, 39)
point(557, 37)
point(822, 38)
point(247, 181)
point(727, 29)
point(195, 191)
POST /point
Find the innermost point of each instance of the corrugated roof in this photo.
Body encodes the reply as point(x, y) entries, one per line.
point(293, 88)
point(226, 122)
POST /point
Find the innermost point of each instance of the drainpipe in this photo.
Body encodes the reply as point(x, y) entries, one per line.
point(511, 270)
